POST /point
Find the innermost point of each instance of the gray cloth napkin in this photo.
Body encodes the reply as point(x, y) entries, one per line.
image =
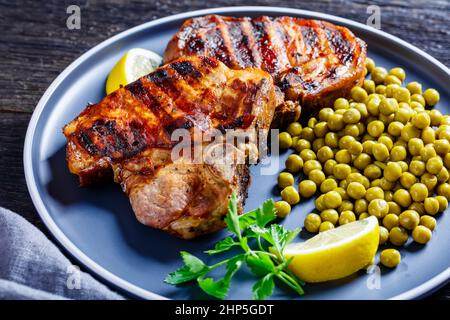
point(31, 267)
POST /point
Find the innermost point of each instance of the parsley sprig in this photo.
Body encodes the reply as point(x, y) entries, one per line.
point(265, 261)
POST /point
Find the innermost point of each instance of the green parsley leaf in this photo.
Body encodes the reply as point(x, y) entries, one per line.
point(223, 245)
point(232, 218)
point(247, 219)
point(263, 287)
point(266, 214)
point(220, 288)
point(193, 268)
point(233, 266)
point(292, 234)
point(194, 263)
point(261, 261)
point(260, 216)
point(264, 233)
point(280, 236)
point(216, 289)
point(260, 264)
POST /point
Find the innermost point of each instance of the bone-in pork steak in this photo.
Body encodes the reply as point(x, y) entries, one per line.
point(127, 136)
point(312, 62)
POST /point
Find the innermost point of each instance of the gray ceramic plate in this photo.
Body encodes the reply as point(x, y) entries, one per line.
point(97, 226)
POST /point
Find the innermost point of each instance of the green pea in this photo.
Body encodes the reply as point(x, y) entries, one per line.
point(283, 208)
point(380, 152)
point(399, 73)
point(390, 79)
point(336, 122)
point(312, 222)
point(421, 234)
point(341, 103)
point(419, 99)
point(294, 163)
point(390, 257)
point(378, 74)
point(431, 96)
point(421, 120)
point(285, 179)
point(370, 64)
point(398, 236)
point(294, 129)
point(402, 95)
point(358, 94)
point(388, 106)
point(380, 89)
point(290, 195)
point(369, 86)
point(390, 88)
point(285, 140)
point(414, 87)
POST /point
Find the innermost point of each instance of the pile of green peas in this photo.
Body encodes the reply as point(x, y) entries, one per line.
point(383, 152)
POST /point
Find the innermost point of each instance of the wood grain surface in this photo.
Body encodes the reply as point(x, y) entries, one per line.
point(36, 45)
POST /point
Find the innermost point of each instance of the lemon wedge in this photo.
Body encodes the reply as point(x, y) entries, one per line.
point(134, 64)
point(335, 253)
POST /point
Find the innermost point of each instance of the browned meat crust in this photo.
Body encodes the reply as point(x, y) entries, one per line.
point(312, 62)
point(127, 135)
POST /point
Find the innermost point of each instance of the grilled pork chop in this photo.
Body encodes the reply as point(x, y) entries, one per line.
point(312, 62)
point(127, 136)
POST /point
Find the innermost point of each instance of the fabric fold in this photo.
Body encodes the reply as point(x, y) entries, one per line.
point(32, 267)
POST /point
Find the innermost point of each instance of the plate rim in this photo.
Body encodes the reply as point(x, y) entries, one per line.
point(97, 269)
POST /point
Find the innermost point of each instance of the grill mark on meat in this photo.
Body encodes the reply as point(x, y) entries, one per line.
point(145, 90)
point(140, 93)
point(339, 45)
point(241, 122)
point(216, 43)
point(328, 56)
point(165, 80)
point(123, 136)
point(186, 69)
point(85, 141)
point(310, 38)
point(168, 122)
point(104, 138)
point(172, 84)
point(196, 45)
point(209, 63)
point(178, 123)
point(269, 57)
point(240, 44)
point(227, 44)
point(140, 138)
point(250, 42)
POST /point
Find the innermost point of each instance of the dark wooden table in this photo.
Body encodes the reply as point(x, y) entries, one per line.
point(36, 45)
